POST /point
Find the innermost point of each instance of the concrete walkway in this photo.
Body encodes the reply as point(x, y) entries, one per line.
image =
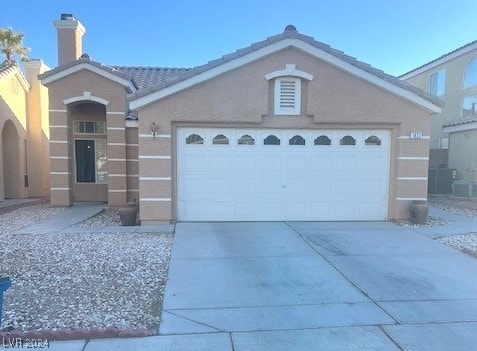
point(460, 224)
point(311, 285)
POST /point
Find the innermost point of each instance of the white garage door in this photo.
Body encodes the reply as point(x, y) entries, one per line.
point(275, 175)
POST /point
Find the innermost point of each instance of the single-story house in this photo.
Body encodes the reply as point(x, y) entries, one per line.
point(287, 128)
point(24, 131)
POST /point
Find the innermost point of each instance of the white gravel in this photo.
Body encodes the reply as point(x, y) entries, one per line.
point(107, 217)
point(463, 242)
point(431, 222)
point(87, 280)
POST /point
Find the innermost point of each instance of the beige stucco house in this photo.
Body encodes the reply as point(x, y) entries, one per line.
point(285, 129)
point(453, 78)
point(24, 132)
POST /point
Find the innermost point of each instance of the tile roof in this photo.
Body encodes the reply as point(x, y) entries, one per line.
point(6, 68)
point(440, 57)
point(141, 77)
point(468, 116)
point(292, 33)
point(144, 77)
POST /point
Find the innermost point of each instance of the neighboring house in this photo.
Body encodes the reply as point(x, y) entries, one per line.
point(24, 128)
point(453, 78)
point(285, 129)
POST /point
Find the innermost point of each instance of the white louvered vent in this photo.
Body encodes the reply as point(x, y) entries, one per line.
point(287, 96)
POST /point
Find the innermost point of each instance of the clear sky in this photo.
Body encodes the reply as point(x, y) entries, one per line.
point(393, 35)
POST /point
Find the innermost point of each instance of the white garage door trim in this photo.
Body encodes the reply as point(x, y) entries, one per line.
point(243, 182)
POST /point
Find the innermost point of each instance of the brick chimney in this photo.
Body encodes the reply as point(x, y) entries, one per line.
point(70, 38)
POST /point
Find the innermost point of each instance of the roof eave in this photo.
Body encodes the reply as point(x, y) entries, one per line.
point(152, 94)
point(76, 66)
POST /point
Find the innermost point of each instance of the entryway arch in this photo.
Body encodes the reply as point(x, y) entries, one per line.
point(11, 160)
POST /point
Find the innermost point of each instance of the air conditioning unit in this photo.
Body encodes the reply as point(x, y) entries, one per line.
point(464, 188)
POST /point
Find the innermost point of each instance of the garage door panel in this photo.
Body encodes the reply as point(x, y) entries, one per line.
point(195, 161)
point(347, 163)
point(323, 163)
point(270, 163)
point(253, 181)
point(296, 162)
point(245, 162)
point(372, 187)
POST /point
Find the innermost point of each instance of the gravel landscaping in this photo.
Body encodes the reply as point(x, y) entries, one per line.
point(88, 280)
point(466, 243)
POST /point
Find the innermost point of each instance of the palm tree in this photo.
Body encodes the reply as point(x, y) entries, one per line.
point(11, 43)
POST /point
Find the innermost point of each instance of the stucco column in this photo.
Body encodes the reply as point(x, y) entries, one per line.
point(116, 146)
point(61, 155)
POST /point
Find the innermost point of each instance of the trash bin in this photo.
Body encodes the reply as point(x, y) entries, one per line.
point(419, 210)
point(5, 283)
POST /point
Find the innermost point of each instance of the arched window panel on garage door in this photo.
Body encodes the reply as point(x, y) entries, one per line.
point(297, 140)
point(347, 140)
point(322, 140)
point(271, 140)
point(194, 139)
point(373, 140)
point(246, 140)
point(220, 139)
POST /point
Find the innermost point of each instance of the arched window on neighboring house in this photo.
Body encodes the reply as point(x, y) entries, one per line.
point(470, 77)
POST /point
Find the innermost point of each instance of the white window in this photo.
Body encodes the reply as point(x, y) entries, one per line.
point(470, 78)
point(469, 106)
point(444, 143)
point(287, 96)
point(89, 127)
point(438, 83)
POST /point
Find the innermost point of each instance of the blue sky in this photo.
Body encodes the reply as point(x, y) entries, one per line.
point(393, 35)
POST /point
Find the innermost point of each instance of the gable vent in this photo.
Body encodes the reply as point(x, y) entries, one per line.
point(287, 96)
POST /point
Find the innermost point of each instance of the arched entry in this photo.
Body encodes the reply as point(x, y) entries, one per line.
point(11, 161)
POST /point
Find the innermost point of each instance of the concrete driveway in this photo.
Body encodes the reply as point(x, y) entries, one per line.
point(326, 285)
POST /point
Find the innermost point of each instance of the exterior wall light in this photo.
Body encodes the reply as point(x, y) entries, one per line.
point(154, 129)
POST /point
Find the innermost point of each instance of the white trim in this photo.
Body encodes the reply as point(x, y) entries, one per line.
point(132, 175)
point(117, 175)
point(58, 126)
point(89, 67)
point(60, 111)
point(133, 159)
point(143, 157)
point(408, 137)
point(116, 191)
point(132, 144)
point(117, 144)
point(460, 128)
point(131, 124)
point(157, 135)
point(115, 128)
point(439, 62)
point(413, 158)
point(291, 71)
point(411, 199)
point(60, 173)
point(270, 49)
point(154, 178)
point(133, 190)
point(117, 159)
point(59, 158)
point(58, 142)
point(60, 189)
point(87, 96)
point(412, 178)
point(151, 199)
point(115, 113)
